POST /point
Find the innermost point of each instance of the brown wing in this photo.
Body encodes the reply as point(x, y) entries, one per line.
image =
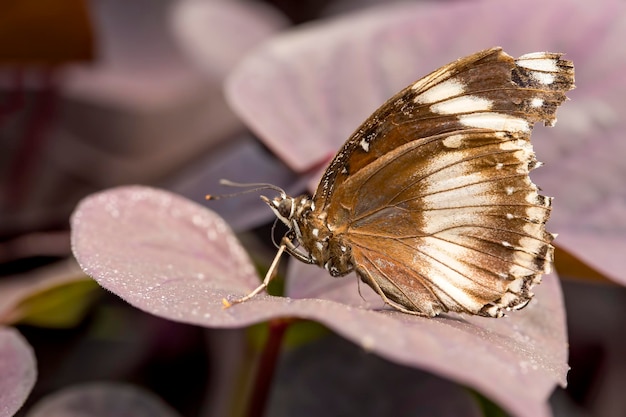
point(462, 229)
point(419, 111)
point(437, 205)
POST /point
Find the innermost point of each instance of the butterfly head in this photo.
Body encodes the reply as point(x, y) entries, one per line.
point(293, 212)
point(283, 206)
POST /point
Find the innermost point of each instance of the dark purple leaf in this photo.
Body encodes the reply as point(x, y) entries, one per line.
point(176, 259)
point(18, 371)
point(351, 380)
point(100, 399)
point(244, 159)
point(35, 244)
point(319, 82)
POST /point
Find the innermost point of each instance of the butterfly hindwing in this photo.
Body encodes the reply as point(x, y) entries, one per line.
point(468, 224)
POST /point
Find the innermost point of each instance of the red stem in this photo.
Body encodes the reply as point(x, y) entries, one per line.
point(31, 146)
point(267, 367)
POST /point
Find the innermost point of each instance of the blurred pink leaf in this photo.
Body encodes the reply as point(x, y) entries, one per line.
point(216, 34)
point(143, 92)
point(54, 243)
point(100, 399)
point(319, 82)
point(18, 369)
point(176, 259)
point(144, 109)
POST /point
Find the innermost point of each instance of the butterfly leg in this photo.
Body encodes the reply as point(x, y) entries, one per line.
point(293, 251)
point(268, 277)
point(372, 283)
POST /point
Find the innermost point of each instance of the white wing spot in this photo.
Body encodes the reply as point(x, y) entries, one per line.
point(499, 165)
point(319, 245)
point(533, 229)
point(315, 232)
point(507, 299)
point(493, 311)
point(538, 61)
point(516, 285)
point(440, 92)
point(543, 77)
point(509, 190)
point(543, 67)
point(463, 104)
point(453, 141)
point(536, 102)
point(365, 145)
point(495, 121)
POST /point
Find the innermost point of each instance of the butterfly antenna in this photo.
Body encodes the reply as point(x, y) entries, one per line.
point(274, 233)
point(256, 186)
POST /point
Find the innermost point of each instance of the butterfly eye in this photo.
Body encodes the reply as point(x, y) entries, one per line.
point(284, 207)
point(305, 207)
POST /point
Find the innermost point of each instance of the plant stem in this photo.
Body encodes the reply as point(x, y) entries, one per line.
point(267, 367)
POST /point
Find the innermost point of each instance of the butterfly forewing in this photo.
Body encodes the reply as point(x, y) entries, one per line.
point(452, 98)
point(431, 196)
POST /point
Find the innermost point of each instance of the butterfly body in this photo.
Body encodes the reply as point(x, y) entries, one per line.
point(324, 247)
point(430, 201)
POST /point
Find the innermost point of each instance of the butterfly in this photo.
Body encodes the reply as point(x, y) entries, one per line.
point(430, 201)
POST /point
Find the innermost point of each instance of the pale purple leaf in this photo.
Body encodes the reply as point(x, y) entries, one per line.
point(319, 82)
point(161, 252)
point(100, 399)
point(176, 259)
point(18, 370)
